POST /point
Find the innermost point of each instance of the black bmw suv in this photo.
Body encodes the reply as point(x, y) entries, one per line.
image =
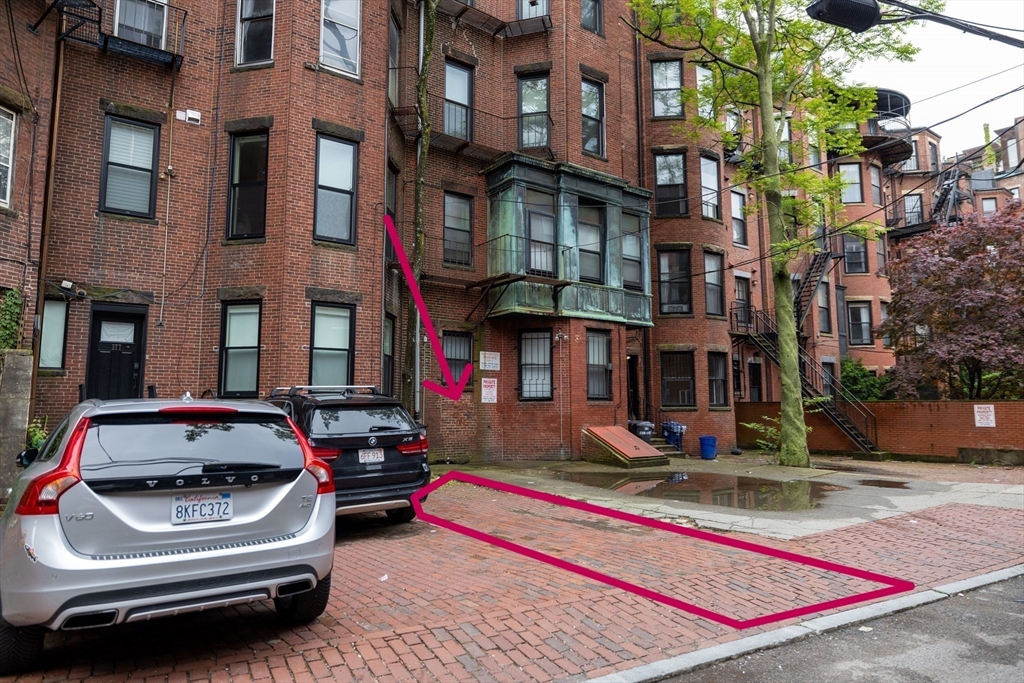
point(377, 451)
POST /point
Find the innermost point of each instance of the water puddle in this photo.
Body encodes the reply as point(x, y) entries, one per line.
point(746, 493)
point(883, 483)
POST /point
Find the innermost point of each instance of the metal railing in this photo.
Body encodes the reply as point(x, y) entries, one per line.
point(893, 126)
point(512, 254)
point(148, 23)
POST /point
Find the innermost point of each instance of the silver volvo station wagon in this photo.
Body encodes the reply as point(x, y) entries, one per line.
point(137, 509)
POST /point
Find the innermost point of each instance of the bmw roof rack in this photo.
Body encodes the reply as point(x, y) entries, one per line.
point(327, 389)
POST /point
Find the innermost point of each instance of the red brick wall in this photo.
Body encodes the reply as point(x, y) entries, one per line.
point(927, 428)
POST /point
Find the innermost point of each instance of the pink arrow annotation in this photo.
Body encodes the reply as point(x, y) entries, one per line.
point(454, 389)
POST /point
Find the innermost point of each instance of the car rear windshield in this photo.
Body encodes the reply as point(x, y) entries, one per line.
point(152, 444)
point(360, 420)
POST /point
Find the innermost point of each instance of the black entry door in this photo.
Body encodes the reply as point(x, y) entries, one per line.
point(632, 387)
point(754, 381)
point(115, 355)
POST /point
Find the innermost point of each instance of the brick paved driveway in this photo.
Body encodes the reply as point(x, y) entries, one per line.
point(455, 609)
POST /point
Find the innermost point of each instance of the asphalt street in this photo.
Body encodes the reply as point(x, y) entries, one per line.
point(975, 637)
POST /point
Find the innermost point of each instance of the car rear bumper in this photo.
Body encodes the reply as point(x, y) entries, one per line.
point(353, 501)
point(45, 582)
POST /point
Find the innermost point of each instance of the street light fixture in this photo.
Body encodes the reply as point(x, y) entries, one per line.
point(860, 15)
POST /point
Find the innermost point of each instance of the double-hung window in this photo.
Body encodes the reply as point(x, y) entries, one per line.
point(876, 185)
point(339, 35)
point(54, 334)
point(590, 241)
point(859, 316)
point(988, 205)
point(388, 361)
point(674, 291)
point(667, 82)
point(785, 139)
point(742, 289)
point(670, 185)
point(240, 349)
point(739, 217)
point(886, 339)
point(599, 364)
point(458, 229)
point(824, 309)
point(852, 191)
point(705, 99)
point(528, 9)
point(130, 153)
point(458, 101)
point(911, 164)
point(394, 52)
point(540, 212)
point(142, 21)
point(533, 111)
point(458, 349)
point(6, 155)
point(335, 190)
point(255, 32)
point(590, 15)
point(632, 255)
point(714, 283)
point(933, 156)
point(913, 209)
point(535, 365)
point(718, 379)
point(677, 379)
point(593, 117)
point(709, 202)
point(856, 251)
point(247, 207)
point(880, 254)
point(330, 353)
point(1012, 155)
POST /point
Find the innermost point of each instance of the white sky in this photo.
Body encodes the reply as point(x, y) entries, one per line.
point(951, 58)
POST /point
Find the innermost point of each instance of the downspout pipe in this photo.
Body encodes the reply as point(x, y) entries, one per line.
point(419, 152)
point(44, 234)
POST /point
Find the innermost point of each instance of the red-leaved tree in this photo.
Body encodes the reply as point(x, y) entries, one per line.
point(956, 318)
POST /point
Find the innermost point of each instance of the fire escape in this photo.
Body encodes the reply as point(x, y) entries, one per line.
point(149, 30)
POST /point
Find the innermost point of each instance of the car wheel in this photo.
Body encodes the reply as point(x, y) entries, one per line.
point(402, 515)
point(305, 607)
point(20, 647)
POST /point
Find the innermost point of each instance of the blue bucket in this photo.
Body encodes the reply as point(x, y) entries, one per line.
point(708, 444)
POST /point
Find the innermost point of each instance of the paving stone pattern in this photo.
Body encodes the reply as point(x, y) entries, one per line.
point(455, 609)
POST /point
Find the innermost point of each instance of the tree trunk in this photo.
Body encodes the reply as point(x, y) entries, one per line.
point(792, 430)
point(411, 327)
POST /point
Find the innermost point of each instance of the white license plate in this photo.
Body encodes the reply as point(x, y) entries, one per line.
point(367, 455)
point(191, 508)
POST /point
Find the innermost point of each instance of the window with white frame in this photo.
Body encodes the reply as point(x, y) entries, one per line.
point(876, 185)
point(6, 155)
point(666, 82)
point(785, 128)
point(709, 201)
point(852, 191)
point(824, 308)
point(988, 205)
point(599, 364)
point(632, 254)
point(254, 42)
point(458, 229)
point(1012, 155)
point(128, 182)
point(335, 190)
point(590, 240)
point(339, 35)
point(330, 353)
point(705, 100)
point(54, 333)
point(739, 217)
point(528, 9)
point(535, 365)
point(240, 349)
point(458, 98)
point(714, 283)
point(880, 255)
point(911, 163)
point(859, 317)
point(593, 117)
point(886, 339)
point(142, 21)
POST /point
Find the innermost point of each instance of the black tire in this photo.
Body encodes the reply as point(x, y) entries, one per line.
point(304, 607)
point(20, 647)
point(402, 515)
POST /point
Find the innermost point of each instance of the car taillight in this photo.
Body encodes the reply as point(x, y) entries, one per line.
point(418, 447)
point(325, 453)
point(44, 492)
point(317, 467)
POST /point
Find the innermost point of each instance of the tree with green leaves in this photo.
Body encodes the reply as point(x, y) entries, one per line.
point(769, 58)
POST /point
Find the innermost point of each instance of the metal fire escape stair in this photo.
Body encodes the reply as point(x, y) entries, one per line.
point(946, 204)
point(809, 281)
point(842, 408)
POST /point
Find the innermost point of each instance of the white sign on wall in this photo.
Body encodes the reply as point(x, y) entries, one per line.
point(490, 360)
point(489, 390)
point(985, 416)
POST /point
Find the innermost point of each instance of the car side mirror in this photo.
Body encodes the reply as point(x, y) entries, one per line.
point(27, 457)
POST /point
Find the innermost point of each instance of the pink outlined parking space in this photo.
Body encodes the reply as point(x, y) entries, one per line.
point(720, 578)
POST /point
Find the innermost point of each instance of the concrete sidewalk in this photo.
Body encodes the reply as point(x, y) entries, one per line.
point(417, 603)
